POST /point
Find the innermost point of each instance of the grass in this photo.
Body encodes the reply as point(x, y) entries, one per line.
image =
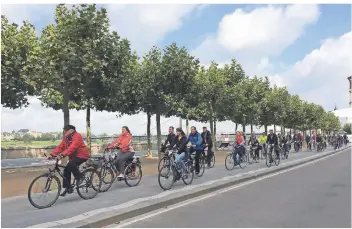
point(6, 144)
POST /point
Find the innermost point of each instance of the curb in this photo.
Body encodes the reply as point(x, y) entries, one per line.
point(115, 219)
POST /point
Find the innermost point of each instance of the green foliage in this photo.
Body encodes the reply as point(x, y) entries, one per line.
point(17, 45)
point(347, 128)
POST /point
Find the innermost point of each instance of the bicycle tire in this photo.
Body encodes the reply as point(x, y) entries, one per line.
point(201, 166)
point(228, 165)
point(132, 167)
point(243, 161)
point(96, 189)
point(103, 172)
point(268, 160)
point(250, 157)
point(212, 161)
point(47, 175)
point(190, 171)
point(172, 170)
point(162, 163)
point(277, 160)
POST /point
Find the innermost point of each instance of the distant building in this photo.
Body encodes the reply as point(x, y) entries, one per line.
point(344, 115)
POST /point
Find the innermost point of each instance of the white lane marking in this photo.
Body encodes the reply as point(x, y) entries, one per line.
point(139, 200)
point(206, 196)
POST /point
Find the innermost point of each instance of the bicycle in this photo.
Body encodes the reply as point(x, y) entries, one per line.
point(174, 170)
point(252, 157)
point(230, 162)
point(165, 158)
point(269, 156)
point(297, 145)
point(212, 159)
point(85, 182)
point(283, 151)
point(320, 147)
point(202, 160)
point(108, 169)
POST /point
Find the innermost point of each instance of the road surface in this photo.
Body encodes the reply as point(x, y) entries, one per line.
point(19, 213)
point(316, 195)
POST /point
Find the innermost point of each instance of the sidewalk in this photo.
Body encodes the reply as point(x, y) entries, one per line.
point(19, 213)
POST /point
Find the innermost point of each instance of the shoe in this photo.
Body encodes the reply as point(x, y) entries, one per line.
point(120, 176)
point(197, 174)
point(66, 191)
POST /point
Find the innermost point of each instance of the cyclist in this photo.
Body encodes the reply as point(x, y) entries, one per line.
point(239, 145)
point(72, 145)
point(284, 144)
point(125, 152)
point(345, 138)
point(207, 141)
point(169, 138)
point(272, 139)
point(196, 140)
point(308, 141)
point(180, 141)
point(262, 140)
point(319, 140)
point(255, 143)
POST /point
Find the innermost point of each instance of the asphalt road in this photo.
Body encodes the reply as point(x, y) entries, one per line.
point(316, 195)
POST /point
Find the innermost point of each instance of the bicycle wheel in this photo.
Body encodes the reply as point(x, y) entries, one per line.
point(161, 163)
point(250, 157)
point(243, 161)
point(268, 160)
point(201, 166)
point(189, 173)
point(91, 179)
point(49, 188)
point(229, 162)
point(212, 161)
point(133, 172)
point(170, 175)
point(277, 160)
point(107, 178)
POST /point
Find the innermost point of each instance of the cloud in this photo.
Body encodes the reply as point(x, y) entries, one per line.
point(321, 76)
point(146, 25)
point(252, 36)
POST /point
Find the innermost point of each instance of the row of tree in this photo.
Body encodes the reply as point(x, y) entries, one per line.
point(79, 63)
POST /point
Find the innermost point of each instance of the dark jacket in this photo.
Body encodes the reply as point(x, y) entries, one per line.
point(253, 141)
point(283, 140)
point(180, 144)
point(206, 138)
point(169, 138)
point(272, 139)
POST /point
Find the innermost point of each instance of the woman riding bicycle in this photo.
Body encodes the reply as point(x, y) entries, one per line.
point(72, 145)
point(239, 145)
point(180, 141)
point(123, 143)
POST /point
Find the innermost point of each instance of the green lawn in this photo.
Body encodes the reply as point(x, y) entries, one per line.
point(26, 144)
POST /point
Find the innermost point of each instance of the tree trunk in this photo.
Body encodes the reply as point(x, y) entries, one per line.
point(251, 127)
point(290, 132)
point(65, 108)
point(211, 120)
point(89, 140)
point(187, 127)
point(214, 130)
point(244, 128)
point(266, 129)
point(236, 126)
point(275, 128)
point(158, 128)
point(149, 116)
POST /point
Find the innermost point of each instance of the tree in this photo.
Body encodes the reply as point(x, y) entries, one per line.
point(347, 128)
point(17, 44)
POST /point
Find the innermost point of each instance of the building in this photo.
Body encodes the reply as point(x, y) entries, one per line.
point(344, 115)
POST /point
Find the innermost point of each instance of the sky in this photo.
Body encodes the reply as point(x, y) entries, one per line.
point(306, 48)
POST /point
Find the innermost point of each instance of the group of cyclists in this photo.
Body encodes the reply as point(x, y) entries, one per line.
point(74, 147)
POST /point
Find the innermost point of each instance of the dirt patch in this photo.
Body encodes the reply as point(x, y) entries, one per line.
point(15, 182)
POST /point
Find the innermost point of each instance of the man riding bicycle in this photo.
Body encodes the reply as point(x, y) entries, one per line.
point(169, 138)
point(262, 140)
point(272, 139)
point(72, 145)
point(196, 140)
point(123, 143)
point(255, 143)
point(207, 142)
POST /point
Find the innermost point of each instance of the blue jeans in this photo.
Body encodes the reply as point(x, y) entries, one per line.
point(238, 150)
point(180, 160)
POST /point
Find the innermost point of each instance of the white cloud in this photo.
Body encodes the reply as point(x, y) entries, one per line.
point(146, 25)
point(321, 76)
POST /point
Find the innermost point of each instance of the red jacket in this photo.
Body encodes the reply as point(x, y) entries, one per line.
point(73, 149)
point(124, 141)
